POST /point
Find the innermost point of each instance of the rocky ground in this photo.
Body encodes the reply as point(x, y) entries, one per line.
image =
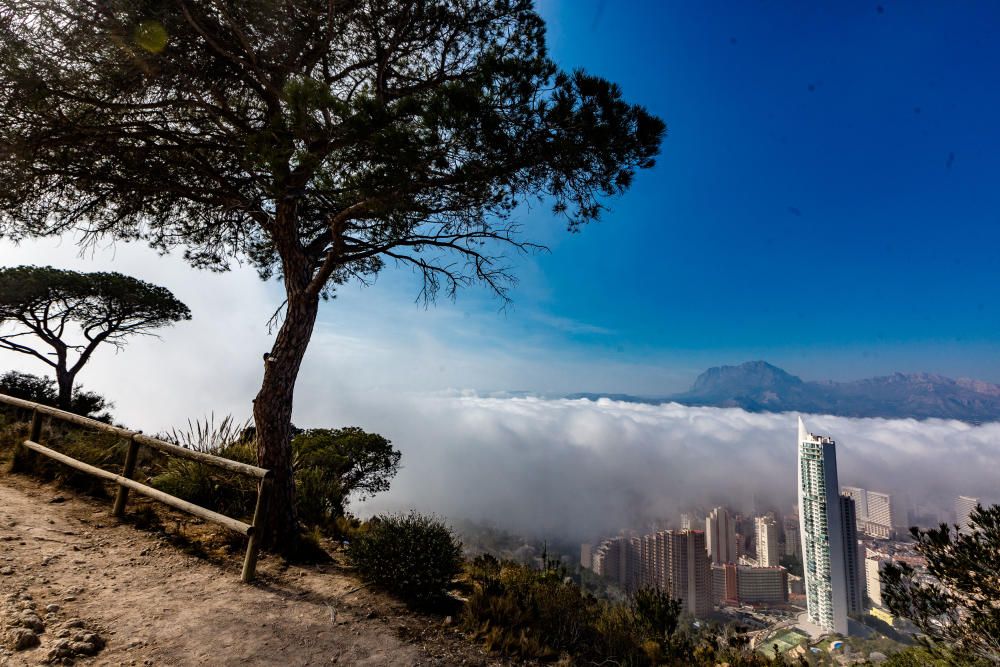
point(77, 586)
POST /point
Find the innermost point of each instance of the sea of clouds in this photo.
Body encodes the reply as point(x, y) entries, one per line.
point(566, 469)
point(579, 469)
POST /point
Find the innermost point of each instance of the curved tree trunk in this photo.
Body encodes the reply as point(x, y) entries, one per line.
point(272, 414)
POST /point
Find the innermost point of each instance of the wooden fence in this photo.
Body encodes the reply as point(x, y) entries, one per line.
point(125, 481)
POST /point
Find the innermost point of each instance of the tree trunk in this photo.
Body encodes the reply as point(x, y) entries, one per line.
point(272, 413)
point(65, 381)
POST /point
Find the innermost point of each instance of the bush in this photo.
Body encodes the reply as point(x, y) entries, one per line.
point(43, 390)
point(330, 466)
point(214, 488)
point(528, 613)
point(412, 555)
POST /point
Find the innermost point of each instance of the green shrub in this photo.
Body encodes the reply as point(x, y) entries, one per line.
point(333, 465)
point(330, 465)
point(211, 487)
point(412, 555)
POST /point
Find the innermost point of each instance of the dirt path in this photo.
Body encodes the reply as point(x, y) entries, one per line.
point(153, 604)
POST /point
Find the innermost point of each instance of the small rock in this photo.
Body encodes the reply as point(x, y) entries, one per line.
point(22, 638)
point(95, 639)
point(83, 648)
point(62, 634)
point(74, 623)
point(6, 570)
point(57, 499)
point(69, 598)
point(29, 619)
point(447, 620)
point(52, 608)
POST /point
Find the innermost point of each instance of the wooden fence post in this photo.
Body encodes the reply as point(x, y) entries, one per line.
point(259, 517)
point(20, 451)
point(36, 426)
point(122, 496)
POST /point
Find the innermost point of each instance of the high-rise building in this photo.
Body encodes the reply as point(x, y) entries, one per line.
point(880, 515)
point(653, 556)
point(853, 562)
point(822, 532)
point(963, 508)
point(876, 514)
point(860, 497)
point(688, 571)
point(742, 584)
point(673, 561)
point(720, 531)
point(618, 560)
point(873, 577)
point(586, 556)
point(793, 544)
point(746, 536)
point(691, 521)
point(766, 529)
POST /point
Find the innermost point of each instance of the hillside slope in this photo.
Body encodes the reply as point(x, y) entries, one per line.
point(758, 386)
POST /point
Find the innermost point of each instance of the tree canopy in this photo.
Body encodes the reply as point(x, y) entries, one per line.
point(339, 464)
point(958, 604)
point(392, 130)
point(319, 140)
point(45, 308)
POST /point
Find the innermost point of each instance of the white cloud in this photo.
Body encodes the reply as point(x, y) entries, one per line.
point(563, 468)
point(579, 469)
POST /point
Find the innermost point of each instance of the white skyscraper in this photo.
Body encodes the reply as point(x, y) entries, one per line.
point(821, 531)
point(720, 537)
point(766, 530)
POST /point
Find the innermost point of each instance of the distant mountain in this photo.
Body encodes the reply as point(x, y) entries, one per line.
point(758, 386)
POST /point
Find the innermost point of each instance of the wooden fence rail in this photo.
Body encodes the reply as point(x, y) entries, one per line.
point(125, 481)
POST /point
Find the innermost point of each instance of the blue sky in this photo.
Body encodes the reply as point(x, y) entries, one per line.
point(826, 200)
point(827, 191)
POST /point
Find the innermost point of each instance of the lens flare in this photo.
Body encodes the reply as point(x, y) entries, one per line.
point(152, 36)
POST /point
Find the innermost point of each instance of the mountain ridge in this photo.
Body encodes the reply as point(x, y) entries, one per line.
point(758, 386)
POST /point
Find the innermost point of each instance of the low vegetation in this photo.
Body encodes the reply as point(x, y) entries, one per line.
point(530, 613)
point(208, 486)
point(412, 555)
